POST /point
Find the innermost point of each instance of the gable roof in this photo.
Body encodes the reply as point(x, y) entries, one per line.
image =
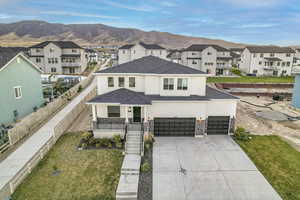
point(201, 47)
point(128, 97)
point(237, 49)
point(8, 53)
point(61, 44)
point(269, 49)
point(151, 65)
point(146, 46)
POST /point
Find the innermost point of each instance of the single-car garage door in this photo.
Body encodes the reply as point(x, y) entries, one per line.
point(218, 125)
point(174, 126)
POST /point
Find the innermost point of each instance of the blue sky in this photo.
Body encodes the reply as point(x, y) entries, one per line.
point(247, 21)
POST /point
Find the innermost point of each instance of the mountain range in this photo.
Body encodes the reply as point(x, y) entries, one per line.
point(26, 33)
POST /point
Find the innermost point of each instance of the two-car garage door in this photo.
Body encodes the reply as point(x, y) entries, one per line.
point(216, 125)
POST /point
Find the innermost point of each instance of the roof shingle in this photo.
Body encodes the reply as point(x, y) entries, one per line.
point(61, 44)
point(269, 49)
point(201, 47)
point(151, 65)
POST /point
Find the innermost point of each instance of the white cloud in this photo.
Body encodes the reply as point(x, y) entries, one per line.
point(4, 16)
point(143, 8)
point(76, 14)
point(252, 3)
point(256, 26)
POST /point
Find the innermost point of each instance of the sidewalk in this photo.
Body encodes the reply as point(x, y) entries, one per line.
point(16, 161)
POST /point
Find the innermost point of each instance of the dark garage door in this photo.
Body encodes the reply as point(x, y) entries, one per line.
point(174, 126)
point(218, 125)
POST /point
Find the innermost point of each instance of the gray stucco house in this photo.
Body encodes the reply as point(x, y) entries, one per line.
point(21, 87)
point(59, 57)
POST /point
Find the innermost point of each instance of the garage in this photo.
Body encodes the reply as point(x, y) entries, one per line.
point(174, 126)
point(218, 125)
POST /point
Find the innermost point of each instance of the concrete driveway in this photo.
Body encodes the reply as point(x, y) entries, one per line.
point(213, 167)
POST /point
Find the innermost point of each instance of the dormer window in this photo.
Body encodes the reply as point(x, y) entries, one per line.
point(182, 84)
point(168, 83)
point(132, 82)
point(51, 50)
point(121, 81)
point(110, 81)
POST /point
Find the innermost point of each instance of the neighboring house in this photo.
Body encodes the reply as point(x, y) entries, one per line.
point(236, 59)
point(296, 91)
point(175, 56)
point(59, 57)
point(211, 59)
point(168, 98)
point(131, 52)
point(267, 60)
point(238, 51)
point(296, 62)
point(21, 87)
point(92, 55)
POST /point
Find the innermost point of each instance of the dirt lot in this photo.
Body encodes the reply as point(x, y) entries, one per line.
point(247, 118)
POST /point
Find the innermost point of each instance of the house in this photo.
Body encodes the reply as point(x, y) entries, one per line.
point(21, 86)
point(267, 60)
point(92, 55)
point(59, 57)
point(238, 51)
point(131, 52)
point(212, 59)
point(236, 59)
point(296, 62)
point(175, 56)
point(167, 98)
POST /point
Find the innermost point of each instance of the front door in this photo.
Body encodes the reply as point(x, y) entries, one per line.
point(136, 114)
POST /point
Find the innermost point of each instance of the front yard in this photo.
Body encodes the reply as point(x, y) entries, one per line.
point(250, 79)
point(82, 175)
point(278, 162)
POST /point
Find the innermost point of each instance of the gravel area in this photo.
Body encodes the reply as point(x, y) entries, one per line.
point(145, 181)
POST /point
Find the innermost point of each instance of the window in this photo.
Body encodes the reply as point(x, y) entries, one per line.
point(208, 71)
point(18, 92)
point(288, 64)
point(38, 50)
point(278, 63)
point(38, 60)
point(121, 81)
point(168, 84)
point(53, 69)
point(182, 84)
point(72, 71)
point(260, 63)
point(288, 55)
point(132, 82)
point(124, 51)
point(160, 52)
point(272, 54)
point(255, 71)
point(113, 111)
point(74, 51)
point(283, 64)
point(55, 60)
point(209, 53)
point(193, 53)
point(110, 81)
point(194, 62)
point(151, 52)
point(51, 50)
point(261, 55)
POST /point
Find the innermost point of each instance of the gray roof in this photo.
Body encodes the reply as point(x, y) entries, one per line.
point(151, 65)
point(201, 47)
point(269, 49)
point(237, 49)
point(61, 44)
point(129, 97)
point(8, 53)
point(146, 46)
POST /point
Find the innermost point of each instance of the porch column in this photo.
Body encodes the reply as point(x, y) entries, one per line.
point(126, 114)
point(94, 112)
point(145, 114)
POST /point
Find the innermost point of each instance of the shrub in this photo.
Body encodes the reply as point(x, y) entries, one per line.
point(118, 141)
point(87, 135)
point(92, 141)
point(236, 71)
point(55, 168)
point(84, 145)
point(145, 167)
point(79, 89)
point(104, 142)
point(241, 134)
point(98, 145)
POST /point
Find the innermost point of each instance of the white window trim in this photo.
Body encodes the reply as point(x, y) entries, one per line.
point(18, 87)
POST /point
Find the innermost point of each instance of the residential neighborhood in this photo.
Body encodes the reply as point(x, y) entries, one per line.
point(144, 100)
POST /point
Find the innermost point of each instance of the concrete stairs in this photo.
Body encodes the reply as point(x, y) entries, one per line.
point(133, 143)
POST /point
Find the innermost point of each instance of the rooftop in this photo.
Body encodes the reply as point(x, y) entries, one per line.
point(269, 49)
point(61, 44)
point(8, 53)
point(151, 65)
point(146, 46)
point(201, 47)
point(128, 97)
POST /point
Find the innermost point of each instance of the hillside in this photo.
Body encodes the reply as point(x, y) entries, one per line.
point(26, 33)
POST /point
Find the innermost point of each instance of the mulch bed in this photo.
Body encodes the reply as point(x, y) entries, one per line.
point(145, 181)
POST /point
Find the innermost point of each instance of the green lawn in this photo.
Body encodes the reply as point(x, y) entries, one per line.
point(85, 175)
point(278, 162)
point(250, 79)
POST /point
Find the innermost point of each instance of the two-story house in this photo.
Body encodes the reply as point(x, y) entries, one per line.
point(211, 59)
point(267, 60)
point(131, 52)
point(21, 85)
point(59, 57)
point(168, 98)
